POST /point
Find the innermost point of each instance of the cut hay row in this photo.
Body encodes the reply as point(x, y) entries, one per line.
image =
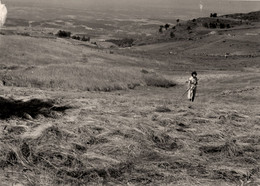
point(149, 144)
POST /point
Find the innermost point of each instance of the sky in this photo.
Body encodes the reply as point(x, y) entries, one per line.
point(230, 4)
point(191, 8)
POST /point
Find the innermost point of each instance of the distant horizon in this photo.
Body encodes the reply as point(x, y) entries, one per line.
point(183, 9)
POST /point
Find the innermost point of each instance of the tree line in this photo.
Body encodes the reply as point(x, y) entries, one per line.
point(67, 34)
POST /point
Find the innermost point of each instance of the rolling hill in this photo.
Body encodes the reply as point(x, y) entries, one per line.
point(85, 113)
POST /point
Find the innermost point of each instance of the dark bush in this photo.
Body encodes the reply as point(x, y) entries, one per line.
point(222, 25)
point(62, 33)
point(213, 15)
point(206, 25)
point(166, 26)
point(161, 29)
point(85, 38)
point(76, 37)
point(126, 42)
point(212, 25)
point(172, 35)
point(23, 34)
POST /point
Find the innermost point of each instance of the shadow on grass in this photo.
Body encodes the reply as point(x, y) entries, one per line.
point(32, 108)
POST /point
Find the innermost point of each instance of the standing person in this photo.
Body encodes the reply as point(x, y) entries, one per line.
point(192, 83)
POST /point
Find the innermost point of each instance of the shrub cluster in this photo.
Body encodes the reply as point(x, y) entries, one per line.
point(84, 38)
point(213, 15)
point(166, 27)
point(67, 34)
point(126, 42)
point(64, 34)
point(216, 25)
point(76, 37)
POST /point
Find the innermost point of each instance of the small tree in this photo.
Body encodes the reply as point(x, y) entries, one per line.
point(178, 20)
point(228, 26)
point(75, 37)
point(212, 25)
point(206, 25)
point(222, 25)
point(161, 29)
point(166, 26)
point(62, 33)
point(213, 15)
point(172, 35)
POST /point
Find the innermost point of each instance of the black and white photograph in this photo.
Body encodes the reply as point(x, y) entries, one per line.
point(129, 92)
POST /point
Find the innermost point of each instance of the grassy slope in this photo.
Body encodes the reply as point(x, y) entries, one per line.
point(207, 52)
point(60, 64)
point(126, 137)
point(143, 136)
point(195, 29)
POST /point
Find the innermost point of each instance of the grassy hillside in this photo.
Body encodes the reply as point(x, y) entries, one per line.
point(75, 113)
point(252, 16)
point(60, 64)
point(200, 27)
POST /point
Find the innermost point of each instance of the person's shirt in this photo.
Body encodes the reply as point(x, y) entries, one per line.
point(193, 81)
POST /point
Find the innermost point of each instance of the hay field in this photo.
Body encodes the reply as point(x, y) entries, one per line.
point(78, 115)
point(147, 136)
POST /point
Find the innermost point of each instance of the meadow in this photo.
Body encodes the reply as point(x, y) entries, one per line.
point(74, 113)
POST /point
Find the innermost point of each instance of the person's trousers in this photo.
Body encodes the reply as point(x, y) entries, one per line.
point(192, 94)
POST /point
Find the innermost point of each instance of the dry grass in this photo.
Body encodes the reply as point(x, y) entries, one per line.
point(123, 137)
point(60, 65)
point(108, 139)
point(162, 109)
point(82, 77)
point(18, 50)
point(158, 81)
